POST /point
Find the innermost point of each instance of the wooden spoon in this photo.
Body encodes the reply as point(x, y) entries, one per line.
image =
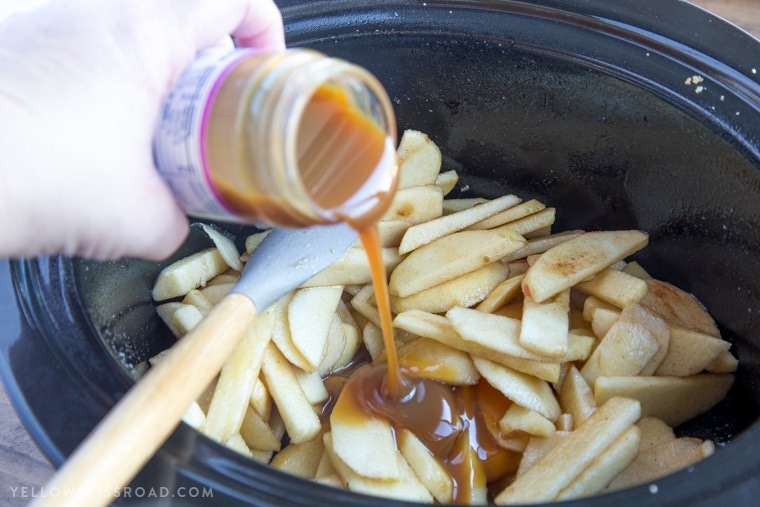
point(143, 419)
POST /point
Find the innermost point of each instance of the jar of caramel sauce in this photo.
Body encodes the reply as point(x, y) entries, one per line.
point(291, 138)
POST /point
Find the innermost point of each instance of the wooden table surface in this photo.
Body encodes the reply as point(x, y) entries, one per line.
point(22, 464)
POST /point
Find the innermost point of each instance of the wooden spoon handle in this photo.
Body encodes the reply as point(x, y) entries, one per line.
point(143, 419)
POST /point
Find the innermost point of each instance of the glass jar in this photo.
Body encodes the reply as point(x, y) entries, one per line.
point(292, 138)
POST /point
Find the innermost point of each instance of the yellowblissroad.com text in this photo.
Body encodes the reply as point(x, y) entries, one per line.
point(127, 492)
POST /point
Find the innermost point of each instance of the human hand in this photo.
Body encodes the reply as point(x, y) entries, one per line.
point(82, 88)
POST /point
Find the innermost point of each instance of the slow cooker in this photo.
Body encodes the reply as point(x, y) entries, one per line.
point(590, 106)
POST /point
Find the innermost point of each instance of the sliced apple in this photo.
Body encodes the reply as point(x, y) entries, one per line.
point(654, 431)
point(525, 390)
point(300, 459)
point(428, 358)
point(226, 246)
point(614, 287)
point(405, 486)
point(297, 413)
point(521, 419)
point(416, 204)
point(660, 460)
point(449, 257)
point(678, 308)
point(422, 234)
point(575, 260)
point(625, 350)
point(281, 335)
point(605, 468)
point(545, 325)
point(440, 329)
point(352, 268)
point(567, 460)
point(510, 215)
point(426, 466)
point(447, 180)
point(465, 290)
point(419, 160)
point(576, 396)
point(536, 225)
point(188, 273)
point(364, 443)
point(501, 295)
point(675, 400)
point(541, 245)
point(310, 314)
point(690, 352)
point(454, 205)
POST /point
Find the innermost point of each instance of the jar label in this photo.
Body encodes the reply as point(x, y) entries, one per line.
point(179, 147)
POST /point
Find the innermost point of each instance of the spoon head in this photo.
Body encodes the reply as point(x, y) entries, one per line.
point(288, 257)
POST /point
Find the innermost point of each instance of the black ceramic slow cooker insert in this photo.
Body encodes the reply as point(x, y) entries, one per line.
point(583, 105)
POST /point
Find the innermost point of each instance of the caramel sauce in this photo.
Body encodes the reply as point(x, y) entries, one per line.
point(340, 150)
point(396, 385)
point(455, 423)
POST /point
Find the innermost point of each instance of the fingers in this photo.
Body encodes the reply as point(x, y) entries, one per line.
point(140, 222)
point(158, 224)
point(131, 56)
point(253, 23)
point(261, 27)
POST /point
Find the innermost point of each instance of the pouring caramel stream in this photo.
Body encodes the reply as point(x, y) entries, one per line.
point(457, 424)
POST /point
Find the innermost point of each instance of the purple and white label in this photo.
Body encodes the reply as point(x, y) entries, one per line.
point(179, 146)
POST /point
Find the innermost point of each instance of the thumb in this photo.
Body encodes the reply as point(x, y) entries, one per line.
point(158, 226)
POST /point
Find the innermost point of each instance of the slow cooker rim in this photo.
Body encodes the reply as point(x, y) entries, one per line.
point(124, 380)
point(730, 66)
